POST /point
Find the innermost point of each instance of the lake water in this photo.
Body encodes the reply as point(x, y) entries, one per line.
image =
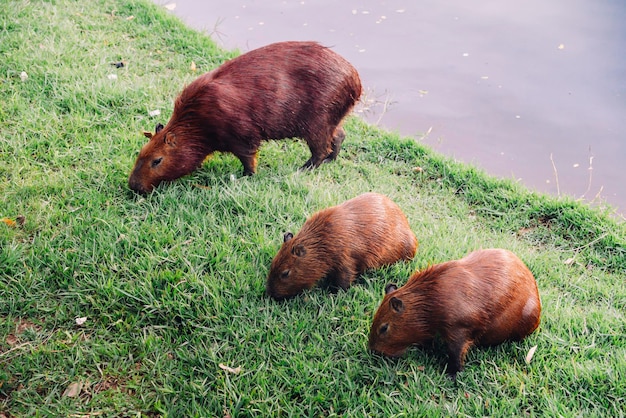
point(532, 90)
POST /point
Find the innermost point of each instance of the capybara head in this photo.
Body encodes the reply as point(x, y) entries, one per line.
point(392, 329)
point(485, 298)
point(293, 269)
point(166, 156)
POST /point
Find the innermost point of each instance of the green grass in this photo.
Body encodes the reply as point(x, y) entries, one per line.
point(172, 284)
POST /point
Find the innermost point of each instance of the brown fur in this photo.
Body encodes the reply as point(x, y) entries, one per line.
point(282, 90)
point(485, 298)
point(339, 243)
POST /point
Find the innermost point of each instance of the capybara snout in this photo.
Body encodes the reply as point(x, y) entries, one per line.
point(282, 90)
point(339, 243)
point(485, 298)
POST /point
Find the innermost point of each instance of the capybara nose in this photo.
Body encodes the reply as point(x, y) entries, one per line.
point(136, 186)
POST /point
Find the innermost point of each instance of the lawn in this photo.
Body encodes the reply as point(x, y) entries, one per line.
point(113, 304)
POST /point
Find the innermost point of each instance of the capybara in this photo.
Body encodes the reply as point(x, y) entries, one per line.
point(485, 298)
point(339, 243)
point(282, 90)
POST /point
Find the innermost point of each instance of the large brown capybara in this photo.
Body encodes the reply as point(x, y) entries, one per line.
point(339, 243)
point(485, 298)
point(282, 90)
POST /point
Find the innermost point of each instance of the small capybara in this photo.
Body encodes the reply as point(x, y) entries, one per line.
point(485, 298)
point(339, 243)
point(282, 90)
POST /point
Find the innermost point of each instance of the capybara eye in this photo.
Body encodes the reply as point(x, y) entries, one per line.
point(157, 161)
point(383, 328)
point(284, 274)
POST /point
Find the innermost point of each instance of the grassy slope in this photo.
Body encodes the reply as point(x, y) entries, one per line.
point(172, 284)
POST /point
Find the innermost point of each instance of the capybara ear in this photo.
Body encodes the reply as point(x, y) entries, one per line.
point(396, 304)
point(158, 128)
point(391, 287)
point(170, 139)
point(287, 237)
point(147, 134)
point(298, 250)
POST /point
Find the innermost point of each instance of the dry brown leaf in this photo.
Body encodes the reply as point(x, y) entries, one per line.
point(569, 261)
point(236, 370)
point(73, 390)
point(530, 354)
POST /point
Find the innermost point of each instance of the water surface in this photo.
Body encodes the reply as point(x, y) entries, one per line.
point(532, 90)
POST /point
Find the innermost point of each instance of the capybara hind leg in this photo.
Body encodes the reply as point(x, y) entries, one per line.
point(338, 136)
point(249, 164)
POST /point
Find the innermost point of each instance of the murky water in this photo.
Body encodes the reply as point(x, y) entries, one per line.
point(532, 90)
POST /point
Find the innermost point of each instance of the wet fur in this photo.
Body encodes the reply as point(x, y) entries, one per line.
point(283, 90)
point(339, 243)
point(485, 298)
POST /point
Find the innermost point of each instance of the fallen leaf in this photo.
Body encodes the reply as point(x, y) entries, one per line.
point(530, 354)
point(23, 76)
point(155, 112)
point(9, 222)
point(131, 17)
point(73, 390)
point(418, 169)
point(11, 340)
point(112, 76)
point(192, 67)
point(80, 321)
point(236, 370)
point(569, 261)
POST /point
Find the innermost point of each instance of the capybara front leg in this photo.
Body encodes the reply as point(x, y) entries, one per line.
point(249, 164)
point(457, 349)
point(312, 162)
point(338, 136)
point(320, 147)
point(344, 276)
